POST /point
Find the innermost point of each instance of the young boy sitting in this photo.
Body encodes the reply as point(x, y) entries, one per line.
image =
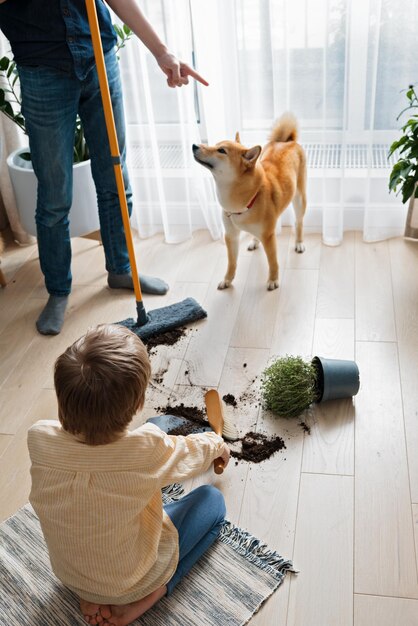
point(96, 486)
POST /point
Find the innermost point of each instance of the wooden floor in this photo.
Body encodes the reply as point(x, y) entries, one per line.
point(342, 501)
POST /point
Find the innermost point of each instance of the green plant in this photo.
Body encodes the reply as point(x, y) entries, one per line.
point(11, 102)
point(404, 173)
point(288, 386)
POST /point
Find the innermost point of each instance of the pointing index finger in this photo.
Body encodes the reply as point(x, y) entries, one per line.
point(191, 72)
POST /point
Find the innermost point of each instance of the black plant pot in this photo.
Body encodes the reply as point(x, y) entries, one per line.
point(336, 378)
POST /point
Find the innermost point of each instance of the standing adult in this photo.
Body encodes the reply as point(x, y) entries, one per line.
point(52, 47)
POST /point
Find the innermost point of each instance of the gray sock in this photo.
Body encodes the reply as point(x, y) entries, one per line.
point(51, 319)
point(149, 284)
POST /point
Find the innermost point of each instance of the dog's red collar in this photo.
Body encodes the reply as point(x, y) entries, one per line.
point(249, 205)
point(251, 202)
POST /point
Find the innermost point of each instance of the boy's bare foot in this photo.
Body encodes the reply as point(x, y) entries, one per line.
point(119, 614)
point(95, 613)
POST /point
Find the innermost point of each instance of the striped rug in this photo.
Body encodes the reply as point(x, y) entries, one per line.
point(226, 587)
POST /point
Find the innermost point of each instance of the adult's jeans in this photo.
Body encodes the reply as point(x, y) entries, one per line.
point(51, 100)
point(198, 517)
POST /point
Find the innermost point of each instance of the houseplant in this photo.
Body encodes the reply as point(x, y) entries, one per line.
point(290, 384)
point(21, 172)
point(404, 174)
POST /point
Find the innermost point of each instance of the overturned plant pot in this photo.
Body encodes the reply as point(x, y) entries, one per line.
point(336, 378)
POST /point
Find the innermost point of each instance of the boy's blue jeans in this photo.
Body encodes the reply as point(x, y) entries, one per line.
point(51, 100)
point(198, 518)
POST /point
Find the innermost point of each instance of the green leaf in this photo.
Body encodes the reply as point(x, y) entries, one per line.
point(4, 63)
point(20, 119)
point(119, 31)
point(407, 189)
point(396, 144)
point(127, 30)
point(7, 108)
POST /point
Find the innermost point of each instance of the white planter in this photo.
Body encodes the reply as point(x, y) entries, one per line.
point(411, 224)
point(83, 217)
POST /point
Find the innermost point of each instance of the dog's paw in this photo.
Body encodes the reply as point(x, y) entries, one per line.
point(224, 284)
point(253, 245)
point(272, 284)
point(299, 247)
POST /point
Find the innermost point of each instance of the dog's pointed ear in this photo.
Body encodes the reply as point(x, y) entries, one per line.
point(250, 156)
point(237, 137)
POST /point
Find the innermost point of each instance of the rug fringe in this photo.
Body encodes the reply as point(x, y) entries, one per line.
point(172, 492)
point(242, 542)
point(255, 551)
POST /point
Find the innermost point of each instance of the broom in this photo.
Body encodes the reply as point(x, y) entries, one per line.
point(166, 318)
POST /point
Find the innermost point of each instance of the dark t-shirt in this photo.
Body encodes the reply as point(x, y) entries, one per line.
point(54, 33)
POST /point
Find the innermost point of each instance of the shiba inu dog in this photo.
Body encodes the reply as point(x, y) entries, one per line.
point(254, 186)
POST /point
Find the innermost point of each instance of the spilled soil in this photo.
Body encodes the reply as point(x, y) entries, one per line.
point(305, 427)
point(228, 398)
point(252, 447)
point(192, 413)
point(257, 447)
point(169, 338)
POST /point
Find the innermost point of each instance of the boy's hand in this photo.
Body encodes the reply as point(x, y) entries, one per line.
point(176, 71)
point(226, 455)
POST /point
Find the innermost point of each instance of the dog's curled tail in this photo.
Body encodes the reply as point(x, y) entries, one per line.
point(285, 129)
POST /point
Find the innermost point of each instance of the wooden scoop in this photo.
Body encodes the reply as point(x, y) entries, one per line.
point(216, 420)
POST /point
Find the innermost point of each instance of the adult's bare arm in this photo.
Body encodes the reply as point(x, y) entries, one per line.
point(176, 71)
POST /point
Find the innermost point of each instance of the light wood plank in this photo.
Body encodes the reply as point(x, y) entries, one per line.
point(308, 260)
point(15, 463)
point(270, 502)
point(166, 361)
point(257, 314)
point(156, 258)
point(404, 261)
point(269, 505)
point(415, 514)
point(207, 349)
point(295, 318)
point(19, 288)
point(5, 440)
point(384, 540)
point(255, 321)
point(14, 406)
point(323, 591)
point(201, 261)
point(329, 449)
point(15, 255)
point(89, 305)
point(375, 320)
point(336, 280)
point(17, 337)
point(375, 611)
point(243, 383)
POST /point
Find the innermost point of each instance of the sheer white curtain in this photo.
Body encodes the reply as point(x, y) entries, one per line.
point(339, 65)
point(171, 193)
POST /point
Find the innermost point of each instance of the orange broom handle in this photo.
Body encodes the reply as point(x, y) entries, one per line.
point(113, 139)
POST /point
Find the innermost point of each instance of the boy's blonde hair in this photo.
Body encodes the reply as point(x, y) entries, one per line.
point(100, 381)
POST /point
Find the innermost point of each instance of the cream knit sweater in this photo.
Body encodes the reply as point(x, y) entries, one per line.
point(100, 507)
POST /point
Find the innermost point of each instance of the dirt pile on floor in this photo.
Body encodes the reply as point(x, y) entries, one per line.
point(168, 338)
point(252, 447)
point(228, 398)
point(257, 447)
point(192, 413)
